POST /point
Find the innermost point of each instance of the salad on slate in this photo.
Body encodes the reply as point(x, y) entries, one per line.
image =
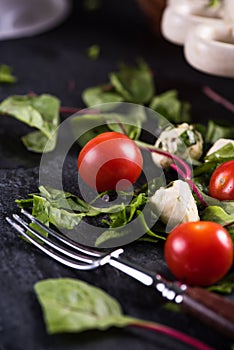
point(191, 204)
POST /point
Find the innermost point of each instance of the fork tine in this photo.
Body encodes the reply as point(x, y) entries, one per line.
point(65, 261)
point(50, 243)
point(67, 241)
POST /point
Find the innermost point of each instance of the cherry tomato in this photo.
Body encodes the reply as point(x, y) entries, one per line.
point(199, 253)
point(221, 184)
point(110, 161)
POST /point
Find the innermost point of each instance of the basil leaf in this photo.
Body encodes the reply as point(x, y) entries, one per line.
point(217, 214)
point(216, 132)
point(71, 305)
point(134, 84)
point(6, 75)
point(40, 112)
point(168, 105)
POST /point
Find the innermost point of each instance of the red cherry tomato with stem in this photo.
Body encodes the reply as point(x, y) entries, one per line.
point(110, 161)
point(199, 253)
point(221, 184)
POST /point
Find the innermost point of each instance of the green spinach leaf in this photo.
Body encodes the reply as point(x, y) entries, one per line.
point(228, 206)
point(169, 106)
point(6, 75)
point(203, 172)
point(93, 52)
point(222, 155)
point(40, 112)
point(217, 214)
point(121, 229)
point(65, 210)
point(130, 125)
point(127, 212)
point(225, 285)
point(100, 94)
point(216, 132)
point(59, 208)
point(74, 306)
point(134, 84)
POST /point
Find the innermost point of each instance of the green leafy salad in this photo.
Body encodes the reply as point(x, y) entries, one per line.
point(206, 146)
point(183, 157)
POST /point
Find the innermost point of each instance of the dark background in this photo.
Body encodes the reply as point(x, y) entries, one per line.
point(52, 63)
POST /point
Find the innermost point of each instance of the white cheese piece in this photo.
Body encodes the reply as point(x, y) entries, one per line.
point(175, 204)
point(169, 141)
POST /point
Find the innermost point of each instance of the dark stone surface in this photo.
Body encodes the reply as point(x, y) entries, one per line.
point(47, 63)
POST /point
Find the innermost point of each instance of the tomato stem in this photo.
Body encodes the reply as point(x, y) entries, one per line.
point(184, 338)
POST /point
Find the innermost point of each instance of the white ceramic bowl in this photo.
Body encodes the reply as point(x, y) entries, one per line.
point(182, 15)
point(210, 48)
point(206, 32)
point(20, 18)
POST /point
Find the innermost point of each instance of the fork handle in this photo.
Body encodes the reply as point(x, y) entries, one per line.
point(212, 309)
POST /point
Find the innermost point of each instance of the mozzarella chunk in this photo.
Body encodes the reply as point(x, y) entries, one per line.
point(175, 204)
point(171, 140)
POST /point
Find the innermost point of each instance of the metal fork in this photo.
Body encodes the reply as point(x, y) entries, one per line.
point(214, 310)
